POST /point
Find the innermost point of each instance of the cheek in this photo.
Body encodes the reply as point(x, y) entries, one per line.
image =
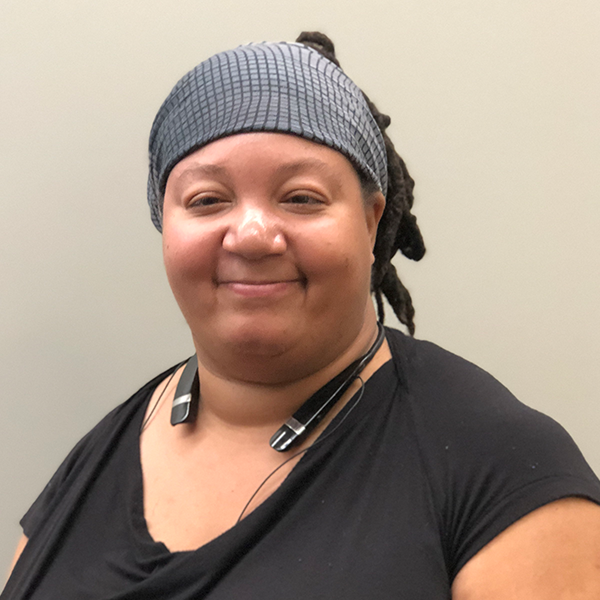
point(188, 259)
point(341, 256)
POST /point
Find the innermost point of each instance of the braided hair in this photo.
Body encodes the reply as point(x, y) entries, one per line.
point(398, 229)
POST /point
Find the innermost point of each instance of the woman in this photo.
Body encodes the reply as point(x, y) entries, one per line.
point(299, 453)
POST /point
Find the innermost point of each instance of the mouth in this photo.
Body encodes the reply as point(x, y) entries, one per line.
point(260, 288)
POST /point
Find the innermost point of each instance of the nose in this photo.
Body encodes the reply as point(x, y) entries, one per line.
point(254, 233)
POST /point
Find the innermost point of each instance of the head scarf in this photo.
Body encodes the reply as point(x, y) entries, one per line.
point(279, 87)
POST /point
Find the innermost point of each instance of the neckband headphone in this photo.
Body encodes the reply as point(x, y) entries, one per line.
point(187, 399)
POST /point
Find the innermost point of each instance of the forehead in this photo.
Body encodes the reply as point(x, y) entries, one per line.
point(280, 155)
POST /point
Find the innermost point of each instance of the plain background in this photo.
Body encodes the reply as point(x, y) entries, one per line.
point(495, 109)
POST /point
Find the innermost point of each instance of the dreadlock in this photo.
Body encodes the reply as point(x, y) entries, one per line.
point(398, 229)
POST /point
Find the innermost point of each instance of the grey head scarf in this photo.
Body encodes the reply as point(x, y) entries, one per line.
point(278, 87)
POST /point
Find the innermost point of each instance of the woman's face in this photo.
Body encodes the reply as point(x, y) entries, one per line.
point(267, 244)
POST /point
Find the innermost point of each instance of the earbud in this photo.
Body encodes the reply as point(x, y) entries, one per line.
point(187, 394)
point(309, 415)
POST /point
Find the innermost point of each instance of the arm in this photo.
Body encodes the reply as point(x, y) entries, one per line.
point(552, 553)
point(20, 547)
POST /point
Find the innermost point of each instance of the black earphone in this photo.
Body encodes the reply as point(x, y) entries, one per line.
point(309, 415)
point(187, 395)
point(301, 423)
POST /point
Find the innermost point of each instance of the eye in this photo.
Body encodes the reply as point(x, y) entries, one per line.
point(303, 199)
point(206, 203)
point(304, 202)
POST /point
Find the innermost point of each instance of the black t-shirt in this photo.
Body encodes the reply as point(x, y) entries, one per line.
point(401, 490)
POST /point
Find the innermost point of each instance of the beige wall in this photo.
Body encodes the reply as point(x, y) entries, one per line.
point(495, 108)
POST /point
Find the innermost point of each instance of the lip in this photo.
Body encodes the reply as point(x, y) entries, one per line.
point(260, 289)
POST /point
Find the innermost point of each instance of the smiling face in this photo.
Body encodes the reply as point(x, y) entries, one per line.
point(267, 244)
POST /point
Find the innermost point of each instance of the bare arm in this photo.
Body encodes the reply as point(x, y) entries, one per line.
point(551, 554)
point(20, 547)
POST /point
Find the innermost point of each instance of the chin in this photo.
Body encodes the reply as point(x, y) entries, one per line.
point(254, 339)
point(265, 352)
point(258, 346)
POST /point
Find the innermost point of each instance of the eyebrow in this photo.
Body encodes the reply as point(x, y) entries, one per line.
point(288, 169)
point(202, 170)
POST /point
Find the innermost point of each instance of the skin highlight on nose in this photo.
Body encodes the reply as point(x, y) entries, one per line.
point(255, 236)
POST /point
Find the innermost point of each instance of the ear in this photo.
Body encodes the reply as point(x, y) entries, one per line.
point(374, 206)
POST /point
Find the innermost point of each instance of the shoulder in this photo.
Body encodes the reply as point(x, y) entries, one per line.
point(489, 458)
point(112, 423)
point(87, 455)
point(461, 404)
point(428, 368)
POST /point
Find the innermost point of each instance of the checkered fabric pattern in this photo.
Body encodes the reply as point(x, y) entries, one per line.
point(279, 87)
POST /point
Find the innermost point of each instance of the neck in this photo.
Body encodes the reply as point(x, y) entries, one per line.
point(250, 405)
point(246, 404)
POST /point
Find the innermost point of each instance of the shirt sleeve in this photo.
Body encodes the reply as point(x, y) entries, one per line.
point(490, 459)
point(507, 470)
point(80, 466)
point(55, 488)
